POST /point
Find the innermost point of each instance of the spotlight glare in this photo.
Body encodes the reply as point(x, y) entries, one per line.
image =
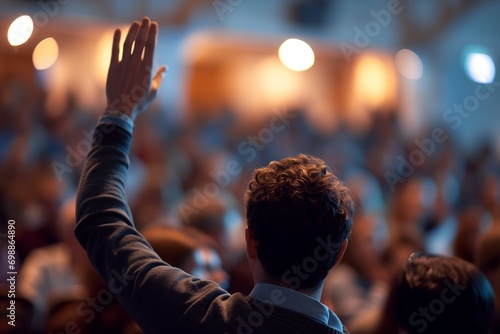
point(296, 55)
point(20, 30)
point(480, 67)
point(409, 64)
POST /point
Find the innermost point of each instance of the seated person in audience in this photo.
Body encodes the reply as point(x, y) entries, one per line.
point(436, 294)
point(357, 288)
point(221, 222)
point(488, 261)
point(299, 218)
point(54, 272)
point(96, 311)
point(182, 251)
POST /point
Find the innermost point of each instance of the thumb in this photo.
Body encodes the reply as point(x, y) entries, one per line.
point(155, 85)
point(157, 80)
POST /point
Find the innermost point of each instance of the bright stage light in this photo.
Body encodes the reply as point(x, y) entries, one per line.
point(409, 64)
point(20, 30)
point(480, 67)
point(296, 55)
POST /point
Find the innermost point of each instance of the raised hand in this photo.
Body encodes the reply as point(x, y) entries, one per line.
point(130, 86)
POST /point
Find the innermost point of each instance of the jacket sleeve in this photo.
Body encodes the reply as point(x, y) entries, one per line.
point(159, 297)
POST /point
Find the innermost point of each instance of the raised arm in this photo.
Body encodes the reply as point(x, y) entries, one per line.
point(159, 297)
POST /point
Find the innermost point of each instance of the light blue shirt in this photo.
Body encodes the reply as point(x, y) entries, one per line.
point(296, 301)
point(122, 121)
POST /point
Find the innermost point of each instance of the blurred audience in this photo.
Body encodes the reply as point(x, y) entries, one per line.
point(94, 311)
point(54, 272)
point(444, 206)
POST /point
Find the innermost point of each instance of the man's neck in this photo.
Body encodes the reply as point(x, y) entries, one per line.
point(261, 276)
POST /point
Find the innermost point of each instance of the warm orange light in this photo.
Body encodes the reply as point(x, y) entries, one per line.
point(372, 80)
point(277, 85)
point(45, 54)
point(374, 88)
point(103, 56)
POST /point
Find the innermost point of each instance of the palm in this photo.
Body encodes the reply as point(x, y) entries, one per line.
point(130, 86)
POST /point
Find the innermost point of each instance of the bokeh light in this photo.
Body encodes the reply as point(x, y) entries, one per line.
point(372, 80)
point(20, 30)
point(408, 64)
point(296, 55)
point(480, 67)
point(45, 54)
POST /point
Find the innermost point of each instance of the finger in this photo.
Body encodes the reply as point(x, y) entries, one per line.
point(127, 45)
point(140, 39)
point(158, 78)
point(115, 51)
point(150, 45)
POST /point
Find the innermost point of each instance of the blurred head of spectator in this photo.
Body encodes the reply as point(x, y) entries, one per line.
point(362, 254)
point(148, 205)
point(435, 294)
point(182, 251)
point(406, 212)
point(488, 260)
point(469, 230)
point(219, 219)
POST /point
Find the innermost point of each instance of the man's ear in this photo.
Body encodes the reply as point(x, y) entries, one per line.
point(343, 247)
point(251, 244)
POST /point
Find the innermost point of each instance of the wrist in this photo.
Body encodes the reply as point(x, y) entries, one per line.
point(118, 113)
point(118, 118)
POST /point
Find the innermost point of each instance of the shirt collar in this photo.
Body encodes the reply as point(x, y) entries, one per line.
point(298, 302)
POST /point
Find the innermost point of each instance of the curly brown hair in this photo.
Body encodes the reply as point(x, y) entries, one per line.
point(438, 294)
point(293, 205)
